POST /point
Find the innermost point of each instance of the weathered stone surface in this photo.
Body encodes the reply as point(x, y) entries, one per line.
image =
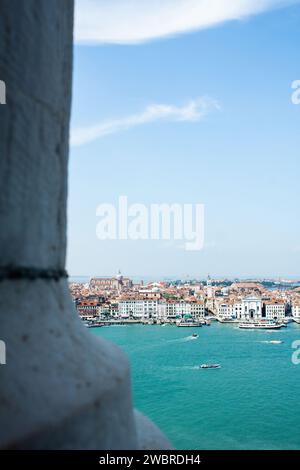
point(149, 436)
point(62, 387)
point(35, 64)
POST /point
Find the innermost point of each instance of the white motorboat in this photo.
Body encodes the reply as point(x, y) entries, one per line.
point(210, 366)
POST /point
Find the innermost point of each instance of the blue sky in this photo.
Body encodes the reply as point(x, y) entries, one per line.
point(241, 162)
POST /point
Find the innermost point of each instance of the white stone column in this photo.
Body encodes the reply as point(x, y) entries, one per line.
point(61, 386)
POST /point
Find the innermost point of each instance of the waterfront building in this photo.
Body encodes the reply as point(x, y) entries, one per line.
point(251, 308)
point(225, 310)
point(274, 309)
point(198, 309)
point(172, 310)
point(87, 308)
point(104, 310)
point(166, 311)
point(296, 311)
point(229, 309)
point(138, 309)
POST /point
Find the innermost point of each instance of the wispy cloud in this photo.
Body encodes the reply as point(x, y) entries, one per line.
point(135, 21)
point(193, 111)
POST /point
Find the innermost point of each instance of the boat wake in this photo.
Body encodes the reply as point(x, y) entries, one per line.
point(188, 338)
point(274, 341)
point(170, 368)
point(183, 340)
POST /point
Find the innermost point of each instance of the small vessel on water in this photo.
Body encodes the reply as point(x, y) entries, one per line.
point(95, 325)
point(188, 322)
point(195, 335)
point(210, 366)
point(92, 323)
point(260, 325)
point(275, 341)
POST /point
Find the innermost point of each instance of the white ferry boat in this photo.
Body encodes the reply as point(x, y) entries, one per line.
point(268, 325)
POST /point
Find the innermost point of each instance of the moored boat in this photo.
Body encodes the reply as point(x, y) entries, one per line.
point(95, 325)
point(188, 322)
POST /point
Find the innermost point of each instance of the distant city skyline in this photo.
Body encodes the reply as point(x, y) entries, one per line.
point(139, 129)
point(187, 278)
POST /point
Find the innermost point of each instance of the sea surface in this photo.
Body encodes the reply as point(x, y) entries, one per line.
point(252, 402)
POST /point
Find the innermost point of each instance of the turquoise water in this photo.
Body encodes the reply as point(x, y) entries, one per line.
point(252, 402)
